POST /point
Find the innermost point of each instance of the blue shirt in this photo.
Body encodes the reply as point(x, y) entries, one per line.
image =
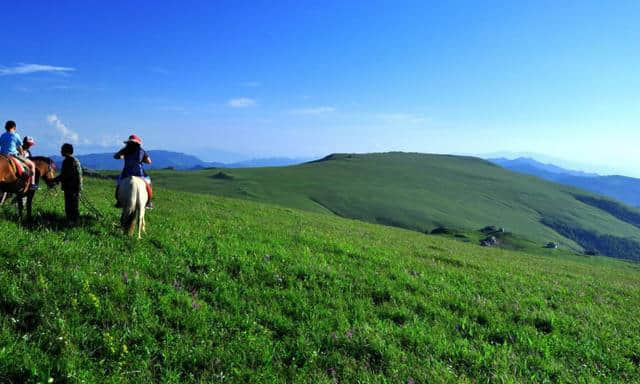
point(133, 164)
point(9, 143)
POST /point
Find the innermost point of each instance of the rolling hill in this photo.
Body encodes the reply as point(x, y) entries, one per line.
point(623, 188)
point(228, 290)
point(421, 192)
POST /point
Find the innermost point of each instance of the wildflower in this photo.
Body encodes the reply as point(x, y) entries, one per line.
point(349, 334)
point(94, 300)
point(108, 341)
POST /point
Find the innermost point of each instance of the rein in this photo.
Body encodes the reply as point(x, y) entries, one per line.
point(90, 207)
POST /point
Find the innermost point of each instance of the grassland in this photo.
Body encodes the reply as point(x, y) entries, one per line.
point(227, 290)
point(422, 192)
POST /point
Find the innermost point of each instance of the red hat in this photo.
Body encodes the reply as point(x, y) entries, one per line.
point(134, 139)
point(29, 140)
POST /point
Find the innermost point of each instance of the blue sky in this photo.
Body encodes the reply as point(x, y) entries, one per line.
point(233, 79)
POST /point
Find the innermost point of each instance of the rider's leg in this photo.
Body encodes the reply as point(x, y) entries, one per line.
point(117, 189)
point(149, 192)
point(32, 167)
point(117, 200)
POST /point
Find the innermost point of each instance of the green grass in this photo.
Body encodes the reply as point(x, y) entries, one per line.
point(227, 290)
point(419, 192)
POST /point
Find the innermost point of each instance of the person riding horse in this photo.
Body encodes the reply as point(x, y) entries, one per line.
point(27, 144)
point(13, 180)
point(11, 145)
point(134, 159)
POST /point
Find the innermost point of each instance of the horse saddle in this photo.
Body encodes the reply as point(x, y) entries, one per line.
point(19, 167)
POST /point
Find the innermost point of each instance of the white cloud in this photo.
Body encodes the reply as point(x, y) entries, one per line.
point(110, 141)
point(241, 102)
point(313, 111)
point(67, 134)
point(23, 69)
point(251, 84)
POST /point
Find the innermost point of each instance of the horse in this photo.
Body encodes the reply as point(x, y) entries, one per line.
point(10, 182)
point(132, 196)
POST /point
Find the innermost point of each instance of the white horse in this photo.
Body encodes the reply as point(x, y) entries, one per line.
point(133, 197)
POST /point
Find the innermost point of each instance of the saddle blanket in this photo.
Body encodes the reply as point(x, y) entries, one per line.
point(20, 168)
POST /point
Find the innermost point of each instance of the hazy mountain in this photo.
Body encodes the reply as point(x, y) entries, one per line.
point(623, 188)
point(176, 160)
point(557, 161)
point(530, 166)
point(161, 159)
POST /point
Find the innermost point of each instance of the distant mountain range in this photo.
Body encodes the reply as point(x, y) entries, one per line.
point(623, 188)
point(176, 160)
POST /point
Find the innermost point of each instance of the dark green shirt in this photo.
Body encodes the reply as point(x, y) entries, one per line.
point(71, 175)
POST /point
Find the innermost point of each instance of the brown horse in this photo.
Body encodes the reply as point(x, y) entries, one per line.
point(10, 182)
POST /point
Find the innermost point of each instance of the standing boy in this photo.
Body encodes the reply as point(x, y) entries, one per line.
point(71, 179)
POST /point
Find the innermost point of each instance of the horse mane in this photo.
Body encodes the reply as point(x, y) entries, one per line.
point(47, 160)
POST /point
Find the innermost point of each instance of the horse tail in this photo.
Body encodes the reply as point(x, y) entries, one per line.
point(132, 196)
point(128, 199)
point(141, 201)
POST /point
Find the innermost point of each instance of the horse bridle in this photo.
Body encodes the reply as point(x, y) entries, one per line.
point(51, 167)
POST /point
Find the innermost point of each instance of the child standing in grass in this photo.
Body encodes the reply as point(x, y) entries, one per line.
point(71, 179)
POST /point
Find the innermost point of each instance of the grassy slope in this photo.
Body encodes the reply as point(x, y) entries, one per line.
point(225, 290)
point(414, 191)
